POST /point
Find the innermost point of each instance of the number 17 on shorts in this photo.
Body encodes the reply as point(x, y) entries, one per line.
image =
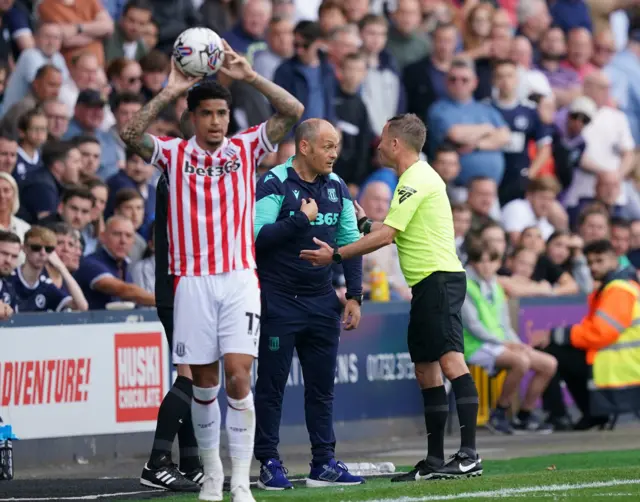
point(216, 315)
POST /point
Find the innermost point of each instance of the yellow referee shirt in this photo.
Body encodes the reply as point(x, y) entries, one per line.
point(421, 213)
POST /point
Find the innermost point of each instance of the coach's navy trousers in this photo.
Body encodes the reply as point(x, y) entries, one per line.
point(311, 325)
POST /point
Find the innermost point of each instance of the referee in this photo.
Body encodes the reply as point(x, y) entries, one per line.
point(420, 223)
point(174, 416)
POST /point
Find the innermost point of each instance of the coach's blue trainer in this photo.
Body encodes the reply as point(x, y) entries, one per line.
point(332, 473)
point(273, 476)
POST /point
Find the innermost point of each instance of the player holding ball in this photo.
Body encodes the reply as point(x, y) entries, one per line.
point(210, 230)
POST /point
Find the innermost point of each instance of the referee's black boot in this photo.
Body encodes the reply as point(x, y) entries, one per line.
point(425, 469)
point(460, 465)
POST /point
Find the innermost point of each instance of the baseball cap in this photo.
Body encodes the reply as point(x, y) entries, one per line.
point(584, 105)
point(90, 97)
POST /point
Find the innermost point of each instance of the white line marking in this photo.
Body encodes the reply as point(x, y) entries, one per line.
point(84, 497)
point(506, 492)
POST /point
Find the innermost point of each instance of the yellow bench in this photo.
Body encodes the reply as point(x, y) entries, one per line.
point(489, 389)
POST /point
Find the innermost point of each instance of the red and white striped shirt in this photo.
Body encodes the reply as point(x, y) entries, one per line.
point(211, 201)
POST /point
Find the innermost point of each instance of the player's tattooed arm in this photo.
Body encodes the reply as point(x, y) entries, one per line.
point(288, 109)
point(134, 134)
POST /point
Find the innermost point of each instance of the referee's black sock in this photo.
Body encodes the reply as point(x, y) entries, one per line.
point(466, 394)
point(189, 456)
point(436, 411)
point(175, 407)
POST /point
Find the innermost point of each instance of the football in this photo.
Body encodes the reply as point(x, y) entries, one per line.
point(198, 52)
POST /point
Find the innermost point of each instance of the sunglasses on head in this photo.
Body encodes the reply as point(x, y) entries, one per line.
point(580, 116)
point(36, 248)
point(453, 79)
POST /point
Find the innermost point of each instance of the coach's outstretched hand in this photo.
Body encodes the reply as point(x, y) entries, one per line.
point(179, 83)
point(351, 315)
point(236, 66)
point(318, 257)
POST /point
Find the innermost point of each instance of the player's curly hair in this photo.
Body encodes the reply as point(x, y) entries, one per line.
point(209, 89)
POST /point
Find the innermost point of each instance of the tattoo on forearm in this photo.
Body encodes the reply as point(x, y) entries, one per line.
point(134, 132)
point(288, 109)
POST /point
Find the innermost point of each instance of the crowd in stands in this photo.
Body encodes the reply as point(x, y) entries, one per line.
point(532, 109)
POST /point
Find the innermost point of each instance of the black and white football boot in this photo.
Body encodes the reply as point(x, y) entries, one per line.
point(167, 477)
point(196, 475)
point(423, 470)
point(460, 465)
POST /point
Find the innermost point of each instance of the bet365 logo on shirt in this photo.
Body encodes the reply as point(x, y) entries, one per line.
point(322, 218)
point(211, 171)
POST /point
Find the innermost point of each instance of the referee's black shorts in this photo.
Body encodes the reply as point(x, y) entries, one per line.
point(435, 322)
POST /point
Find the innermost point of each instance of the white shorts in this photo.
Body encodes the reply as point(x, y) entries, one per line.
point(486, 357)
point(216, 315)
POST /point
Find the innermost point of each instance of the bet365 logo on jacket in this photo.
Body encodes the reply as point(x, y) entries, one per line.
point(322, 218)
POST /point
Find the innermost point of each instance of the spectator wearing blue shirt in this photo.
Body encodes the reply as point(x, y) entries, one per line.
point(36, 292)
point(47, 51)
point(280, 47)
point(75, 209)
point(426, 80)
point(32, 127)
point(9, 253)
point(627, 62)
point(308, 75)
point(570, 14)
point(41, 190)
point(87, 119)
point(477, 129)
point(15, 28)
point(104, 276)
point(525, 126)
point(137, 174)
point(124, 106)
point(251, 28)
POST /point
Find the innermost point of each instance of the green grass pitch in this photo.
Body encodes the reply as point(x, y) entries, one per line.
point(570, 477)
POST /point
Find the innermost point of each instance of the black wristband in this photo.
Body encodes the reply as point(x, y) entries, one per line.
point(364, 225)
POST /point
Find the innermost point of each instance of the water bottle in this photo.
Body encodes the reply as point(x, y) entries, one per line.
point(368, 469)
point(6, 451)
point(379, 285)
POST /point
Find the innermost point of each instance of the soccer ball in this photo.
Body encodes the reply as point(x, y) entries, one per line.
point(198, 52)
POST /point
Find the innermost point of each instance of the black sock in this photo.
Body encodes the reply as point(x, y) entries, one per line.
point(189, 456)
point(175, 406)
point(466, 394)
point(436, 412)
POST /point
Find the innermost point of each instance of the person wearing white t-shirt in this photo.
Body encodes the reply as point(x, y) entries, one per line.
point(533, 210)
point(608, 139)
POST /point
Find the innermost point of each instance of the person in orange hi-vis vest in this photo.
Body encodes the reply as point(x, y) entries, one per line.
point(609, 328)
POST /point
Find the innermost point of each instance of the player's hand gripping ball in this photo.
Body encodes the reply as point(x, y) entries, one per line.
point(198, 52)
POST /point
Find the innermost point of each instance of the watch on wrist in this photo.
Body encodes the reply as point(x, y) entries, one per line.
point(337, 257)
point(357, 298)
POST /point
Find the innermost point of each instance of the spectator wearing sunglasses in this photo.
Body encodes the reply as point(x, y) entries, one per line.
point(124, 75)
point(35, 291)
point(609, 144)
point(477, 129)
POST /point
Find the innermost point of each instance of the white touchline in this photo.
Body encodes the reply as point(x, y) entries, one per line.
point(80, 497)
point(505, 492)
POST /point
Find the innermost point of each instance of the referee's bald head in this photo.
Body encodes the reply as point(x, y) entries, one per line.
point(409, 129)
